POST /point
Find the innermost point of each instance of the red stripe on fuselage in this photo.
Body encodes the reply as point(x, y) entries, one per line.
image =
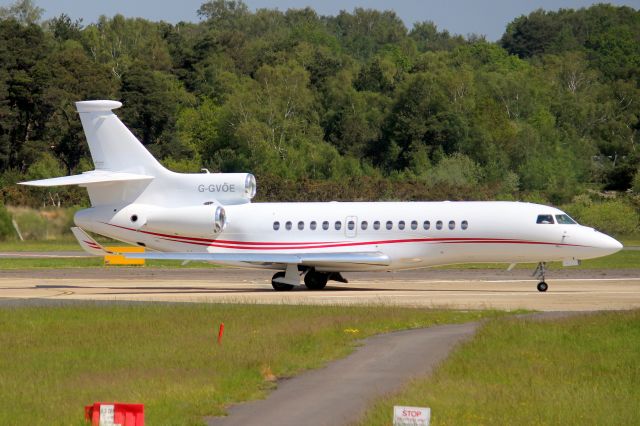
point(255, 245)
point(206, 240)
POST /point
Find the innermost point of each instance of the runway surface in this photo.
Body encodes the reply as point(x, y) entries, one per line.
point(569, 290)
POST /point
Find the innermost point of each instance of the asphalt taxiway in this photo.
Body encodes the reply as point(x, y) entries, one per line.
point(569, 290)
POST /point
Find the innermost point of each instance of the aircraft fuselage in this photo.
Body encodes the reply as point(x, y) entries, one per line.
point(412, 234)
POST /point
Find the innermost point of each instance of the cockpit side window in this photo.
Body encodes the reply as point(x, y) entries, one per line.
point(564, 219)
point(545, 219)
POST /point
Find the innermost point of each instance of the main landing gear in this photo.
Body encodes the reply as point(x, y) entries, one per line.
point(539, 273)
point(278, 286)
point(316, 280)
point(313, 280)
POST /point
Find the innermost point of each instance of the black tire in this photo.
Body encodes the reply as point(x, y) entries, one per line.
point(542, 286)
point(315, 280)
point(280, 286)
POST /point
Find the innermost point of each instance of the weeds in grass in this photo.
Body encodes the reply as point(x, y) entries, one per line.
point(580, 370)
point(55, 360)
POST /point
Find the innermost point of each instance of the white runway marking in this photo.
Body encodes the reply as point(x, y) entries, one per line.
point(398, 289)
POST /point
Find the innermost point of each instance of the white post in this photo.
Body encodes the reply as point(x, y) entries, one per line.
point(15, 226)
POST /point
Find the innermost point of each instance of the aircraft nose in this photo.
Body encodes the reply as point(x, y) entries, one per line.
point(609, 244)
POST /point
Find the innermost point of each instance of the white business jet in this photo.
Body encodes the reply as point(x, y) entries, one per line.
point(210, 217)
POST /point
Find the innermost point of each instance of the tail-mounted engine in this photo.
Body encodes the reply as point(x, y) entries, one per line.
point(200, 221)
point(198, 188)
point(206, 220)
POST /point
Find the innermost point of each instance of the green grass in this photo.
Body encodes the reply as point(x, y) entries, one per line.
point(581, 370)
point(55, 360)
point(630, 240)
point(624, 259)
point(627, 259)
point(91, 262)
point(61, 244)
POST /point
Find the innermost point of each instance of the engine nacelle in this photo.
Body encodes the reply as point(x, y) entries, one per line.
point(203, 221)
point(226, 188)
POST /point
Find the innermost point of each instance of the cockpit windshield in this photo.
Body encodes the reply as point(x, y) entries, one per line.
point(564, 219)
point(561, 219)
point(546, 219)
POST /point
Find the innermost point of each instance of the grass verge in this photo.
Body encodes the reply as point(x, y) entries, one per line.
point(580, 370)
point(628, 259)
point(90, 262)
point(625, 259)
point(55, 360)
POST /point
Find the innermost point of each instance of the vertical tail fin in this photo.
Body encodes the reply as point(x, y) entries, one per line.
point(113, 147)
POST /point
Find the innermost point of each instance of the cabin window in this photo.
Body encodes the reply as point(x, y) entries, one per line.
point(464, 224)
point(439, 225)
point(338, 225)
point(401, 225)
point(276, 225)
point(364, 225)
point(313, 225)
point(288, 225)
point(325, 225)
point(351, 225)
point(426, 225)
point(546, 219)
point(389, 225)
point(376, 225)
point(301, 225)
point(564, 219)
point(414, 224)
point(452, 224)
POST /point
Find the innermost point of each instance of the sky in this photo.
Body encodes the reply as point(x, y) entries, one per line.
point(481, 17)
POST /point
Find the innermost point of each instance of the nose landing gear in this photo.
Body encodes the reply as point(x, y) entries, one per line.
point(542, 286)
point(539, 273)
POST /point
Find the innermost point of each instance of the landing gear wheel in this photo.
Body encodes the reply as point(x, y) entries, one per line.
point(280, 286)
point(541, 269)
point(315, 280)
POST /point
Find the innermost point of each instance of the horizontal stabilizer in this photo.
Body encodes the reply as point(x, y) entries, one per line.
point(310, 259)
point(89, 244)
point(89, 178)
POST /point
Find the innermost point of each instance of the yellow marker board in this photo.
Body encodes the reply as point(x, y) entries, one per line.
point(119, 259)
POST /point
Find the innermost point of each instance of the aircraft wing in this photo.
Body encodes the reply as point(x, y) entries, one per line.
point(310, 259)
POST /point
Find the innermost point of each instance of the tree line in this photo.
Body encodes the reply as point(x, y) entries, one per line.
point(351, 106)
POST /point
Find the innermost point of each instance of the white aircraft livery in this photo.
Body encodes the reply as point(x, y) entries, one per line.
point(210, 217)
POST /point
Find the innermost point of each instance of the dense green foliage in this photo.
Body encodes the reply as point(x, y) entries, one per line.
point(353, 106)
point(610, 216)
point(6, 228)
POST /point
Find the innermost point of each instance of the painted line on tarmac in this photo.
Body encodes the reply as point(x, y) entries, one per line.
point(528, 280)
point(566, 279)
point(564, 293)
point(42, 256)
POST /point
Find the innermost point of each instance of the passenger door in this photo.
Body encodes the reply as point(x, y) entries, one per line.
point(351, 227)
